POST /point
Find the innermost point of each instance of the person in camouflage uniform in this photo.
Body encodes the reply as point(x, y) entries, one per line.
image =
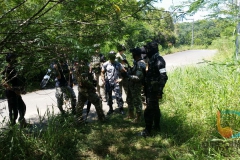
point(61, 72)
point(121, 58)
point(95, 67)
point(136, 77)
point(145, 59)
point(86, 91)
point(110, 75)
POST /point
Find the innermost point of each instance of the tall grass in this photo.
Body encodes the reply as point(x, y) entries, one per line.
point(193, 95)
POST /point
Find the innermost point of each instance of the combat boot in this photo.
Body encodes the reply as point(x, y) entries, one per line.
point(80, 121)
point(102, 119)
point(130, 115)
point(110, 110)
point(24, 124)
point(138, 118)
point(121, 111)
point(144, 133)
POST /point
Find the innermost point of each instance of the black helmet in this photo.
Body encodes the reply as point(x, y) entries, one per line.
point(136, 51)
point(151, 48)
point(111, 55)
point(10, 57)
point(121, 48)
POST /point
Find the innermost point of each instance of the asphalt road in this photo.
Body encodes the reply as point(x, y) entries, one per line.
point(189, 57)
point(43, 102)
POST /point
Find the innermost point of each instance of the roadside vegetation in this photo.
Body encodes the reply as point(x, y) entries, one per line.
point(192, 97)
point(193, 94)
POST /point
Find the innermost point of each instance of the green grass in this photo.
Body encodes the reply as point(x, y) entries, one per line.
point(188, 123)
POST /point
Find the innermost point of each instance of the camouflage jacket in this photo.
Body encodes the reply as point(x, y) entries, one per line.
point(137, 72)
point(84, 78)
point(96, 62)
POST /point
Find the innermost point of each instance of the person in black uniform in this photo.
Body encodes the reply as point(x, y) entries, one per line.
point(13, 88)
point(155, 80)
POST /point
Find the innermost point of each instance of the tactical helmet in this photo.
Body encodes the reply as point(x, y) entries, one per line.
point(152, 46)
point(10, 57)
point(136, 51)
point(111, 55)
point(121, 48)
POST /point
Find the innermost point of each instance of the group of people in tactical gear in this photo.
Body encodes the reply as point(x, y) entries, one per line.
point(97, 80)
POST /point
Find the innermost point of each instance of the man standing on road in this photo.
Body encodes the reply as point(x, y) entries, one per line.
point(136, 77)
point(87, 91)
point(156, 78)
point(95, 67)
point(121, 58)
point(112, 70)
point(14, 87)
point(62, 86)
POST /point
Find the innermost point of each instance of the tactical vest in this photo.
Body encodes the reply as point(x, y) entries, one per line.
point(96, 63)
point(141, 67)
point(84, 78)
point(153, 72)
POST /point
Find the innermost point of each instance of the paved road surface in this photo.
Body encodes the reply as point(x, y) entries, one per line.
point(39, 102)
point(187, 58)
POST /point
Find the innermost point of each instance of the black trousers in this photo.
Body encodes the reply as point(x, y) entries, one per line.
point(152, 112)
point(16, 106)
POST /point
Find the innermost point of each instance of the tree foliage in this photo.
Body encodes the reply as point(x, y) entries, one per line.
point(43, 31)
point(216, 9)
point(205, 31)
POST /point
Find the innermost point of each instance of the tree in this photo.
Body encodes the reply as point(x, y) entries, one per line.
point(42, 31)
point(205, 31)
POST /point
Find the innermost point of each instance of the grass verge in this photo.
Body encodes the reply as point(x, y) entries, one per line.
point(188, 123)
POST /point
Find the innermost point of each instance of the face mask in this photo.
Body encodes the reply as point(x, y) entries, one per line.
point(150, 54)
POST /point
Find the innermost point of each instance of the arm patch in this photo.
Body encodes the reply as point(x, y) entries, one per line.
point(163, 70)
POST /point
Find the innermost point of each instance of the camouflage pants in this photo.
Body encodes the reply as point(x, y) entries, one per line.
point(65, 91)
point(134, 99)
point(83, 96)
point(123, 85)
point(118, 94)
point(100, 86)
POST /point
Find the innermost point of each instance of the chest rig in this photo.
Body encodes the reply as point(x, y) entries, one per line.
point(83, 76)
point(152, 73)
point(138, 66)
